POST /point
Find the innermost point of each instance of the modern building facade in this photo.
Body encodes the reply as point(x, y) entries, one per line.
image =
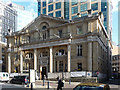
point(7, 25)
point(23, 17)
point(52, 45)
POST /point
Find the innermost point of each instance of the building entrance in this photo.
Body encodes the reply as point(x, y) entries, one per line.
point(44, 73)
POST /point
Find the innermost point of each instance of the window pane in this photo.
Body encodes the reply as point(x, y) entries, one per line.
point(50, 8)
point(83, 7)
point(94, 6)
point(44, 11)
point(79, 50)
point(44, 3)
point(58, 5)
point(58, 14)
point(74, 9)
point(66, 10)
point(79, 30)
point(50, 1)
point(50, 14)
point(74, 2)
point(39, 8)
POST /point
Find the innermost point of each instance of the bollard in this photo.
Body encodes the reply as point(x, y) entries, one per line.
point(69, 81)
point(31, 86)
point(43, 82)
point(48, 84)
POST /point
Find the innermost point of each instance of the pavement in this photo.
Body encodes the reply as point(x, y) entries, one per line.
point(114, 85)
point(53, 84)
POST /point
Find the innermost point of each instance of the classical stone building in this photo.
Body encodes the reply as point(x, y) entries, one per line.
point(53, 45)
point(116, 66)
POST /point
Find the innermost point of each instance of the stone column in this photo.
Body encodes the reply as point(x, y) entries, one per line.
point(9, 63)
point(90, 56)
point(21, 62)
point(63, 66)
point(35, 62)
point(51, 60)
point(54, 66)
point(40, 72)
point(57, 66)
point(69, 58)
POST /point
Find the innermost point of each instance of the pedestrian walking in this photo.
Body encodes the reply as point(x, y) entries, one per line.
point(60, 85)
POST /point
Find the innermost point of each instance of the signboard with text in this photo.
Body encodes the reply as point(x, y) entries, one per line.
point(78, 74)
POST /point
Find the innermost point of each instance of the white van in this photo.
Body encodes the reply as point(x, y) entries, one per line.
point(4, 76)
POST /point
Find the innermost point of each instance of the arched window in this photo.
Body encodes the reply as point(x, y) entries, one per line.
point(28, 56)
point(44, 27)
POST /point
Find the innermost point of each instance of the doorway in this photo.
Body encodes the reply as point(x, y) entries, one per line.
point(44, 73)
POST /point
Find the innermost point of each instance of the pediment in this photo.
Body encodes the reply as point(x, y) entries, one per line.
point(42, 22)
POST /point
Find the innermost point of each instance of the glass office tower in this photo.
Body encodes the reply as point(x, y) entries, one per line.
point(68, 9)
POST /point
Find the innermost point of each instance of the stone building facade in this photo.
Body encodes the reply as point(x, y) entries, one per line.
point(52, 45)
point(116, 66)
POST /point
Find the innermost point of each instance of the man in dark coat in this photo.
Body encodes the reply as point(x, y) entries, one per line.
point(60, 85)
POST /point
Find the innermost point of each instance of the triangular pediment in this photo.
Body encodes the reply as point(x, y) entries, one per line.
point(38, 23)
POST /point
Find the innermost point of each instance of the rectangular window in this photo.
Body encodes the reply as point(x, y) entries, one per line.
point(50, 14)
point(94, 6)
point(44, 3)
point(66, 9)
point(58, 5)
point(50, 8)
point(79, 50)
point(79, 66)
point(83, 7)
point(74, 9)
point(58, 14)
point(60, 33)
point(79, 30)
point(44, 11)
point(74, 2)
point(39, 8)
point(50, 1)
point(16, 57)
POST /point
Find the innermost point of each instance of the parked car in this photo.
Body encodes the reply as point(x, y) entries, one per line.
point(92, 86)
point(20, 80)
point(4, 76)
